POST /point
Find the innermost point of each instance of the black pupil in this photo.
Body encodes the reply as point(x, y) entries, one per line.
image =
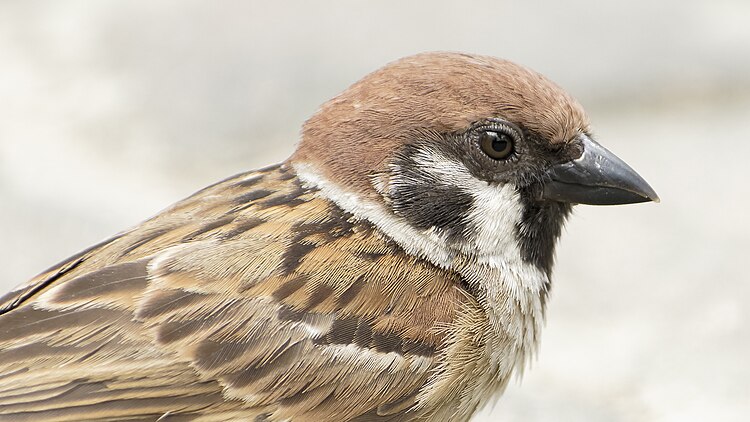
point(500, 142)
point(497, 145)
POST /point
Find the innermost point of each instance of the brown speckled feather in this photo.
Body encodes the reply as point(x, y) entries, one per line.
point(254, 298)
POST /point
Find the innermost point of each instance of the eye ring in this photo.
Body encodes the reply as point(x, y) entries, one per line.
point(496, 143)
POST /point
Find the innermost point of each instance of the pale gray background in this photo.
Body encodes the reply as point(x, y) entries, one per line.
point(111, 110)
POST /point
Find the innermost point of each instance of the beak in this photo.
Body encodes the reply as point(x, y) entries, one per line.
point(597, 177)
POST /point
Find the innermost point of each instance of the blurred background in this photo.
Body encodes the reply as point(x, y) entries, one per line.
point(112, 110)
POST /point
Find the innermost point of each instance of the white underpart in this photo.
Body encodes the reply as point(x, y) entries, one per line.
point(489, 258)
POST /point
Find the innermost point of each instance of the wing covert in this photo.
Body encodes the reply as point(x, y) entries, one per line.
point(258, 298)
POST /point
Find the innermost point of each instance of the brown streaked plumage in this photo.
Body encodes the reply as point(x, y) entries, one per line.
point(387, 272)
point(201, 302)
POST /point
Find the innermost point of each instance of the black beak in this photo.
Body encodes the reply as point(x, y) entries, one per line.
point(597, 177)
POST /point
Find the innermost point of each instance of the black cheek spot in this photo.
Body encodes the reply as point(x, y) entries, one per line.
point(426, 202)
point(426, 206)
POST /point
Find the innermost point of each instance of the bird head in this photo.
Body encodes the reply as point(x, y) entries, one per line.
point(471, 150)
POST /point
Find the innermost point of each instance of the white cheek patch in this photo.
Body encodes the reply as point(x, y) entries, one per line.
point(496, 219)
point(446, 170)
point(496, 213)
point(495, 216)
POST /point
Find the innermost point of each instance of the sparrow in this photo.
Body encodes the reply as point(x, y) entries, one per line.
point(395, 268)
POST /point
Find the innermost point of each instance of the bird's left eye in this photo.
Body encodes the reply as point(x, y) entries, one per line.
point(497, 145)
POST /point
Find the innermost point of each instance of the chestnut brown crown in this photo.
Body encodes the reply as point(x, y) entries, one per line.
point(353, 135)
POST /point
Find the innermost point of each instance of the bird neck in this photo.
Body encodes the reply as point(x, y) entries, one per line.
point(509, 276)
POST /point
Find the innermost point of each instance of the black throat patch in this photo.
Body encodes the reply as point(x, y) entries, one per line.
point(539, 229)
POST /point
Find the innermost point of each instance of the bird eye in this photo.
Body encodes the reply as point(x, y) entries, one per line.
point(497, 145)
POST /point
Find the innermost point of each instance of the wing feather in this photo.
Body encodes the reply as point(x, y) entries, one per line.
point(255, 298)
